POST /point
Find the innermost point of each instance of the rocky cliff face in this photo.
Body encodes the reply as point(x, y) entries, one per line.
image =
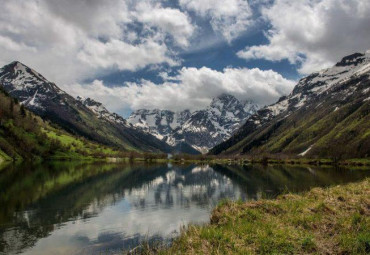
point(202, 129)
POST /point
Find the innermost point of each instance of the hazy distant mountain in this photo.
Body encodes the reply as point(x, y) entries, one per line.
point(201, 129)
point(83, 117)
point(327, 114)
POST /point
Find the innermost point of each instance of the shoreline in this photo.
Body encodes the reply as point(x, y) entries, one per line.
point(317, 162)
point(323, 220)
point(358, 162)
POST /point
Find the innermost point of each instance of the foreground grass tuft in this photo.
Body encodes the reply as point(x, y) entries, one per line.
point(322, 221)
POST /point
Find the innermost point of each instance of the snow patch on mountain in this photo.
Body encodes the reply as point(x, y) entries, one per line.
point(201, 129)
point(101, 112)
point(35, 92)
point(318, 83)
point(30, 87)
point(338, 82)
point(354, 65)
point(306, 151)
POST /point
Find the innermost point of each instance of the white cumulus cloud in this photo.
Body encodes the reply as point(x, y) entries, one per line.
point(230, 18)
point(72, 40)
point(168, 20)
point(124, 56)
point(191, 88)
point(313, 33)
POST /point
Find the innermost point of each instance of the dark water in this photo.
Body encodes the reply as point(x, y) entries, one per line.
point(74, 208)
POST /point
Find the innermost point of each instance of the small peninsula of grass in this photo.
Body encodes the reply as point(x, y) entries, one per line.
point(333, 220)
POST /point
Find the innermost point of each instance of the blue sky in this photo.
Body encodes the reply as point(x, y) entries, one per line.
point(216, 57)
point(180, 54)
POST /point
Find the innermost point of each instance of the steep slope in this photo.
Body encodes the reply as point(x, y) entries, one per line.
point(201, 129)
point(101, 112)
point(327, 114)
point(24, 135)
point(160, 123)
point(45, 99)
point(209, 127)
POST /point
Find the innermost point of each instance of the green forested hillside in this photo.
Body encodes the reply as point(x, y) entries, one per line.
point(326, 115)
point(317, 130)
point(24, 135)
point(46, 99)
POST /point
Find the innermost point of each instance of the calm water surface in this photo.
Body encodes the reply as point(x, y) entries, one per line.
point(76, 208)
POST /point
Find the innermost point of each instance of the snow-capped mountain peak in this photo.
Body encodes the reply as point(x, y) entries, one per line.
point(30, 87)
point(339, 83)
point(81, 116)
point(321, 82)
point(22, 76)
point(201, 129)
point(159, 123)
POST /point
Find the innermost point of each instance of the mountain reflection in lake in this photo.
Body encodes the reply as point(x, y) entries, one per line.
point(74, 208)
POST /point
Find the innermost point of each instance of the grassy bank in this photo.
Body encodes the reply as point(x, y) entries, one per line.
point(3, 157)
point(322, 221)
point(204, 159)
point(296, 161)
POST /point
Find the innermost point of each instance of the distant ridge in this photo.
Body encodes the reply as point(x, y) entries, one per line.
point(326, 115)
point(86, 118)
point(201, 129)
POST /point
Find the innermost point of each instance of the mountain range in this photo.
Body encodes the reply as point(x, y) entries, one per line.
point(145, 130)
point(83, 117)
point(201, 129)
point(327, 114)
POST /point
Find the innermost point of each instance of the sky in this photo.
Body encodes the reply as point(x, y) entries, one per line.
point(180, 54)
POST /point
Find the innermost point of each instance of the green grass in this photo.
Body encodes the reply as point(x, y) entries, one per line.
point(77, 144)
point(25, 136)
point(4, 157)
point(63, 138)
point(322, 221)
point(336, 134)
point(78, 148)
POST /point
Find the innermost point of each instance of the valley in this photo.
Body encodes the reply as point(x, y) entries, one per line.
point(325, 116)
point(184, 127)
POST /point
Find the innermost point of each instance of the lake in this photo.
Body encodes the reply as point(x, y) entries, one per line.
point(81, 208)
